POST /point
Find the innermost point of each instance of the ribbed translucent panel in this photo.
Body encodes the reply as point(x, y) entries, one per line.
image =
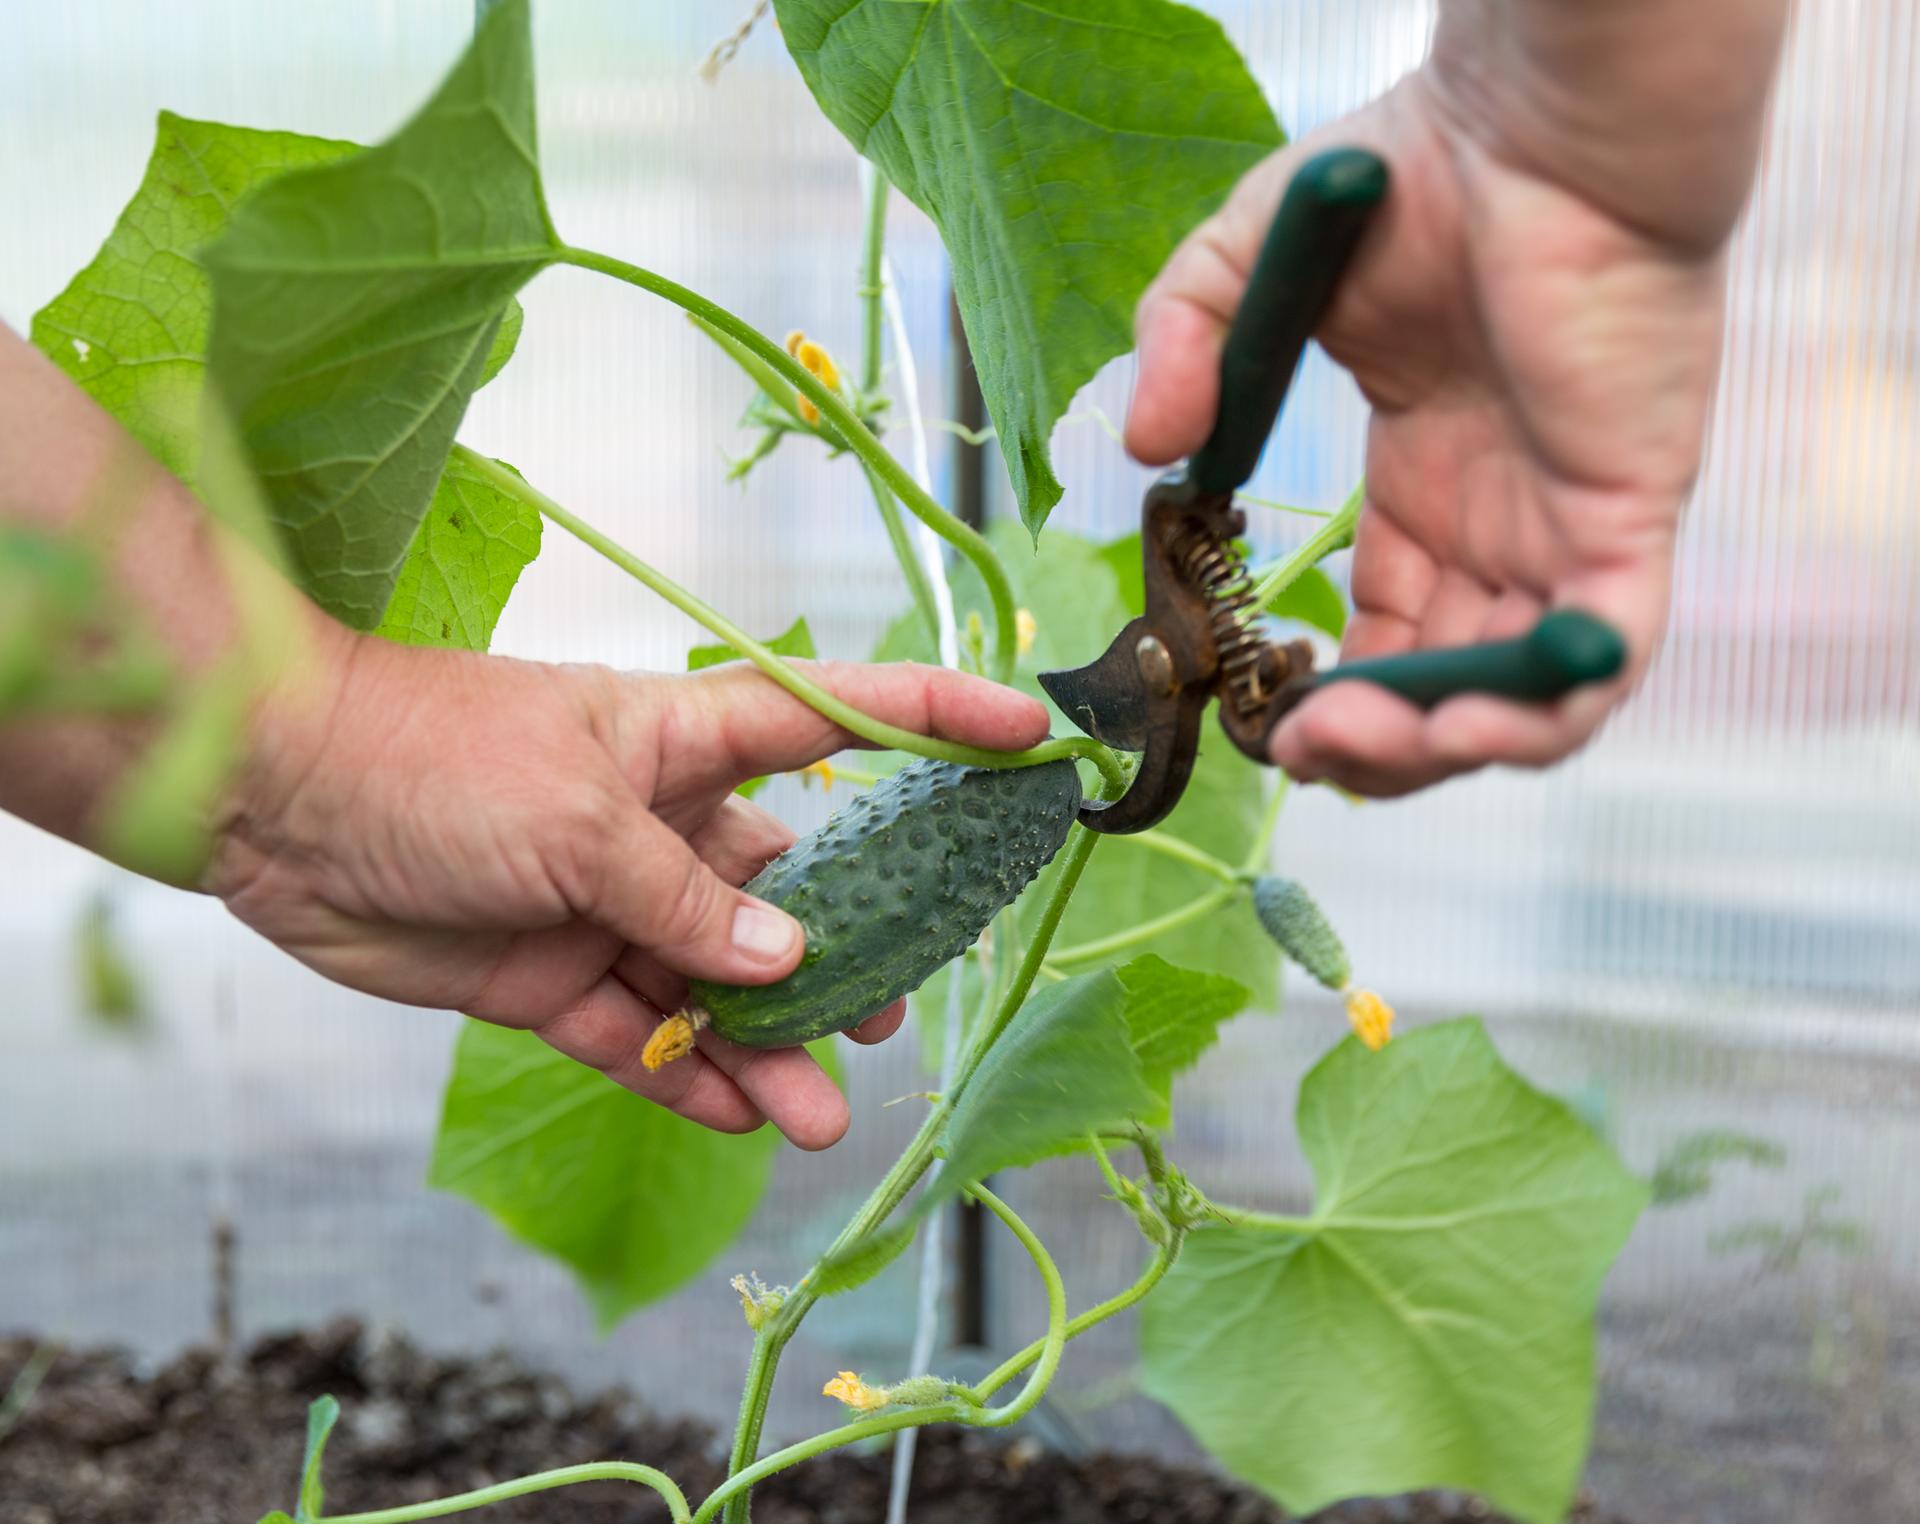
point(1709, 920)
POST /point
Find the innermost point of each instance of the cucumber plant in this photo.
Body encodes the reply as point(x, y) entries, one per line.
point(296, 325)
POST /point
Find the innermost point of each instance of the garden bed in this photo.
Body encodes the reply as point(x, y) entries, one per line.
point(205, 1441)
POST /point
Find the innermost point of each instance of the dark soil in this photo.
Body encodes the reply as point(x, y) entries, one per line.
point(199, 1441)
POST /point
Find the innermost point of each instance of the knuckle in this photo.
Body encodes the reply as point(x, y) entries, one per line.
point(692, 905)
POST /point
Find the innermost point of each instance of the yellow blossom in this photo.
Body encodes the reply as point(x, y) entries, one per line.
point(856, 1394)
point(1372, 1018)
point(823, 770)
point(1024, 628)
point(819, 364)
point(672, 1039)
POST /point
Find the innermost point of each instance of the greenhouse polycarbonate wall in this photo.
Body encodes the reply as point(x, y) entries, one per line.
point(1709, 923)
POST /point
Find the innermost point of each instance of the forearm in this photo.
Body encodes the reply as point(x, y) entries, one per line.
point(1649, 109)
point(67, 468)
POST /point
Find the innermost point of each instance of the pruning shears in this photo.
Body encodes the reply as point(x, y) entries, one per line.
point(1199, 637)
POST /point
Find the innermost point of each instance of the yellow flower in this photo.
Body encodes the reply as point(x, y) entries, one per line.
point(672, 1039)
point(856, 1394)
point(1372, 1018)
point(1024, 628)
point(818, 363)
point(823, 770)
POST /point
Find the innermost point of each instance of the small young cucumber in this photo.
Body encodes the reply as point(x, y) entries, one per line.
point(892, 887)
point(1295, 922)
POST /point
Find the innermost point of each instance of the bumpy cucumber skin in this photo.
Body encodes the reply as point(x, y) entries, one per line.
point(893, 886)
point(1295, 922)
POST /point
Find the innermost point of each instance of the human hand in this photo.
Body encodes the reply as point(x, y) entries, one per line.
point(559, 848)
point(1536, 323)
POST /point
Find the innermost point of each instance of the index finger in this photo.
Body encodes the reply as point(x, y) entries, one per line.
point(1180, 326)
point(749, 725)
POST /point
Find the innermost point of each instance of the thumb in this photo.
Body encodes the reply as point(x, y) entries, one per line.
point(656, 893)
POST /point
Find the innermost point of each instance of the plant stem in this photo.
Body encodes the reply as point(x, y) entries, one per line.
point(969, 542)
point(1256, 858)
point(918, 583)
point(872, 283)
point(1267, 502)
point(1053, 1346)
point(756, 370)
point(1047, 1353)
point(1182, 851)
point(1335, 534)
point(1146, 931)
point(1235, 882)
point(801, 687)
point(778, 1330)
point(1073, 861)
point(520, 1486)
point(894, 1186)
point(1150, 1277)
point(872, 337)
point(1244, 1217)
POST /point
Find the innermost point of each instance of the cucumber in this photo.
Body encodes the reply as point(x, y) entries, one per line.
point(1292, 919)
point(892, 887)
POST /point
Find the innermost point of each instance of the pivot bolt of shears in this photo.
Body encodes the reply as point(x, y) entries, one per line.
point(1155, 663)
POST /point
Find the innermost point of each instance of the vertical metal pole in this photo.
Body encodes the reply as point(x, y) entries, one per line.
point(970, 1289)
point(970, 411)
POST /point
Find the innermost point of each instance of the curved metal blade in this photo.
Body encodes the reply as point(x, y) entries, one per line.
point(1106, 698)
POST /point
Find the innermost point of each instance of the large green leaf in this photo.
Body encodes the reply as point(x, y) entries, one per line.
point(1077, 593)
point(1173, 1015)
point(131, 329)
point(634, 1200)
point(1063, 1069)
point(1063, 149)
point(1093, 1054)
point(357, 304)
point(1433, 1325)
point(466, 556)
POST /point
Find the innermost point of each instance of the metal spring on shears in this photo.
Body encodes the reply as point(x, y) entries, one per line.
point(1219, 573)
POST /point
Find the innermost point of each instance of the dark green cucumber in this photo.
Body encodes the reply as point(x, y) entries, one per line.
point(893, 886)
point(1293, 920)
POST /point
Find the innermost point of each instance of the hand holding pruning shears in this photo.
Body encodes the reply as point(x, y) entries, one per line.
point(1534, 314)
point(1198, 638)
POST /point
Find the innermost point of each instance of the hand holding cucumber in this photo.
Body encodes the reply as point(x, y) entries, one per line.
point(560, 849)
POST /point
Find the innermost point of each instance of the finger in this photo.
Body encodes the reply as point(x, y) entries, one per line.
point(1181, 323)
point(1514, 613)
point(741, 839)
point(786, 1085)
point(1373, 743)
point(1356, 735)
point(1394, 579)
point(879, 1028)
point(1179, 333)
point(608, 1029)
point(1458, 612)
point(1474, 729)
point(647, 885)
point(746, 724)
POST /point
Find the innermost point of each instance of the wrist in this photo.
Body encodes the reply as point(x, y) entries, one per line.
point(1649, 111)
point(302, 686)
